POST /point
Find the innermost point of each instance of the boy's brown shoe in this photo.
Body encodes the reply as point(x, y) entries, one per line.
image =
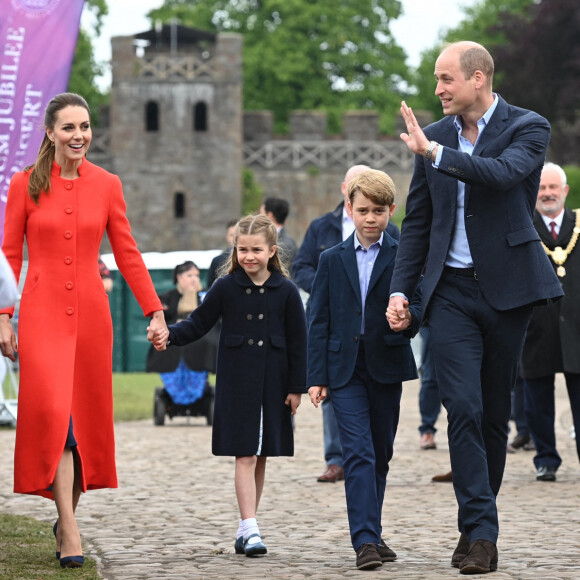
point(368, 557)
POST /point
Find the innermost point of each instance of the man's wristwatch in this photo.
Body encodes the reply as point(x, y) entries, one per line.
point(430, 149)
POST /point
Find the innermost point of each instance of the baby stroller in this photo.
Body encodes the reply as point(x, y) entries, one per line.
point(165, 405)
point(186, 391)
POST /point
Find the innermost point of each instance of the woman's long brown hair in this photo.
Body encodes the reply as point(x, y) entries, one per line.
point(42, 168)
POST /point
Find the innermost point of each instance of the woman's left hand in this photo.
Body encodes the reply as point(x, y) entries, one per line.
point(157, 323)
point(293, 401)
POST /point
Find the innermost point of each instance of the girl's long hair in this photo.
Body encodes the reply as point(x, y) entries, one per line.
point(42, 168)
point(255, 225)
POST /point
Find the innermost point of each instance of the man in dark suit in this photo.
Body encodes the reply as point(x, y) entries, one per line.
point(277, 209)
point(469, 227)
point(553, 335)
point(354, 355)
point(220, 259)
point(323, 233)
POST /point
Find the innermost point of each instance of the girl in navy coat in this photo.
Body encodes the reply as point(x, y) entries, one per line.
point(261, 368)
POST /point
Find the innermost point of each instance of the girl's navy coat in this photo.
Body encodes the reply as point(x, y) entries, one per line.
point(261, 358)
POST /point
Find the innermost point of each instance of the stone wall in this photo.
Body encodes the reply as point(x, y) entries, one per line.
point(202, 167)
point(178, 72)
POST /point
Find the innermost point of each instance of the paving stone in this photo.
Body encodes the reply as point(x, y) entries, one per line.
point(175, 514)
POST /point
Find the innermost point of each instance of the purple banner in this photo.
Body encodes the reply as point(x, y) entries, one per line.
point(37, 44)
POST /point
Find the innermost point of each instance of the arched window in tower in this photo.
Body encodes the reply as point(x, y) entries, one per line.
point(179, 205)
point(152, 116)
point(200, 116)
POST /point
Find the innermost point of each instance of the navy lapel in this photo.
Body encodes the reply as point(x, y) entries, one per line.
point(494, 128)
point(385, 256)
point(348, 257)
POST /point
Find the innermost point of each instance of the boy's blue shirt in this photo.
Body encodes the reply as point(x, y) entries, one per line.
point(336, 311)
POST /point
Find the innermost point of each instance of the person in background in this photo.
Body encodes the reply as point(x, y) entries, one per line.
point(105, 276)
point(261, 369)
point(184, 370)
point(216, 264)
point(277, 209)
point(553, 335)
point(8, 286)
point(468, 235)
point(62, 205)
point(429, 400)
point(522, 439)
point(324, 233)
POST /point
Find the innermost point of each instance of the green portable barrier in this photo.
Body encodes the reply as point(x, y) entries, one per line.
point(130, 343)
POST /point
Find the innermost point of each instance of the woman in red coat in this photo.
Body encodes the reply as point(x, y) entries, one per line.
point(63, 204)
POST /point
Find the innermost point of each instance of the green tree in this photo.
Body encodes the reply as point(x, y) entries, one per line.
point(541, 59)
point(573, 179)
point(333, 55)
point(252, 192)
point(85, 69)
point(479, 25)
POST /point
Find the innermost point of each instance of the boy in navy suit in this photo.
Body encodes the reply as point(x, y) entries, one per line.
point(353, 351)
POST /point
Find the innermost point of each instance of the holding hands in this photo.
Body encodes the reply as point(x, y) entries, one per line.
point(293, 401)
point(398, 314)
point(157, 332)
point(317, 394)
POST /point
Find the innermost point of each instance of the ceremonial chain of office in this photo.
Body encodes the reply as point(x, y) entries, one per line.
point(560, 255)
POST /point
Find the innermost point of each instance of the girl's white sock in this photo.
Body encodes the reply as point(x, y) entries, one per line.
point(249, 527)
point(240, 531)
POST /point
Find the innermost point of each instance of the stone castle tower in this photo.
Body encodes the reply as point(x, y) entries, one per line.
point(175, 134)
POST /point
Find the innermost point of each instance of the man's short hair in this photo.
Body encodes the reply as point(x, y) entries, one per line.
point(279, 208)
point(374, 185)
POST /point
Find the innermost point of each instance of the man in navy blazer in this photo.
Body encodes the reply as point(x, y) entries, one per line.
point(354, 354)
point(469, 228)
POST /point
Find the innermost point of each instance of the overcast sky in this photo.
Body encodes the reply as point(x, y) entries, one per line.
point(416, 30)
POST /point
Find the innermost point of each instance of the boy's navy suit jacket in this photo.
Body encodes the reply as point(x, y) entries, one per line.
point(336, 314)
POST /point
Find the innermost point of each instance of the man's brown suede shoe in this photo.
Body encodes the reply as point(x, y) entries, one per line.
point(460, 552)
point(481, 558)
point(386, 554)
point(368, 557)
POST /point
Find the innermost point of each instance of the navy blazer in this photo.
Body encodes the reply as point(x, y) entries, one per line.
point(335, 320)
point(501, 187)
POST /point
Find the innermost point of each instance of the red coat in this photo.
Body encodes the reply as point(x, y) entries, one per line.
point(65, 332)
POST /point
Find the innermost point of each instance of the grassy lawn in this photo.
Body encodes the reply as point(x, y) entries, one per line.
point(133, 395)
point(27, 549)
point(26, 545)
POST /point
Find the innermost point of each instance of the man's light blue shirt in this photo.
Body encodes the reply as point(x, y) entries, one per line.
point(459, 255)
point(365, 259)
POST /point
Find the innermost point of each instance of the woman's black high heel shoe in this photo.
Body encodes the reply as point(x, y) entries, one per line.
point(72, 561)
point(54, 529)
point(68, 561)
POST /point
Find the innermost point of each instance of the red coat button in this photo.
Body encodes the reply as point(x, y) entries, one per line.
point(68, 260)
point(70, 311)
point(68, 209)
point(68, 185)
point(68, 235)
point(69, 285)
